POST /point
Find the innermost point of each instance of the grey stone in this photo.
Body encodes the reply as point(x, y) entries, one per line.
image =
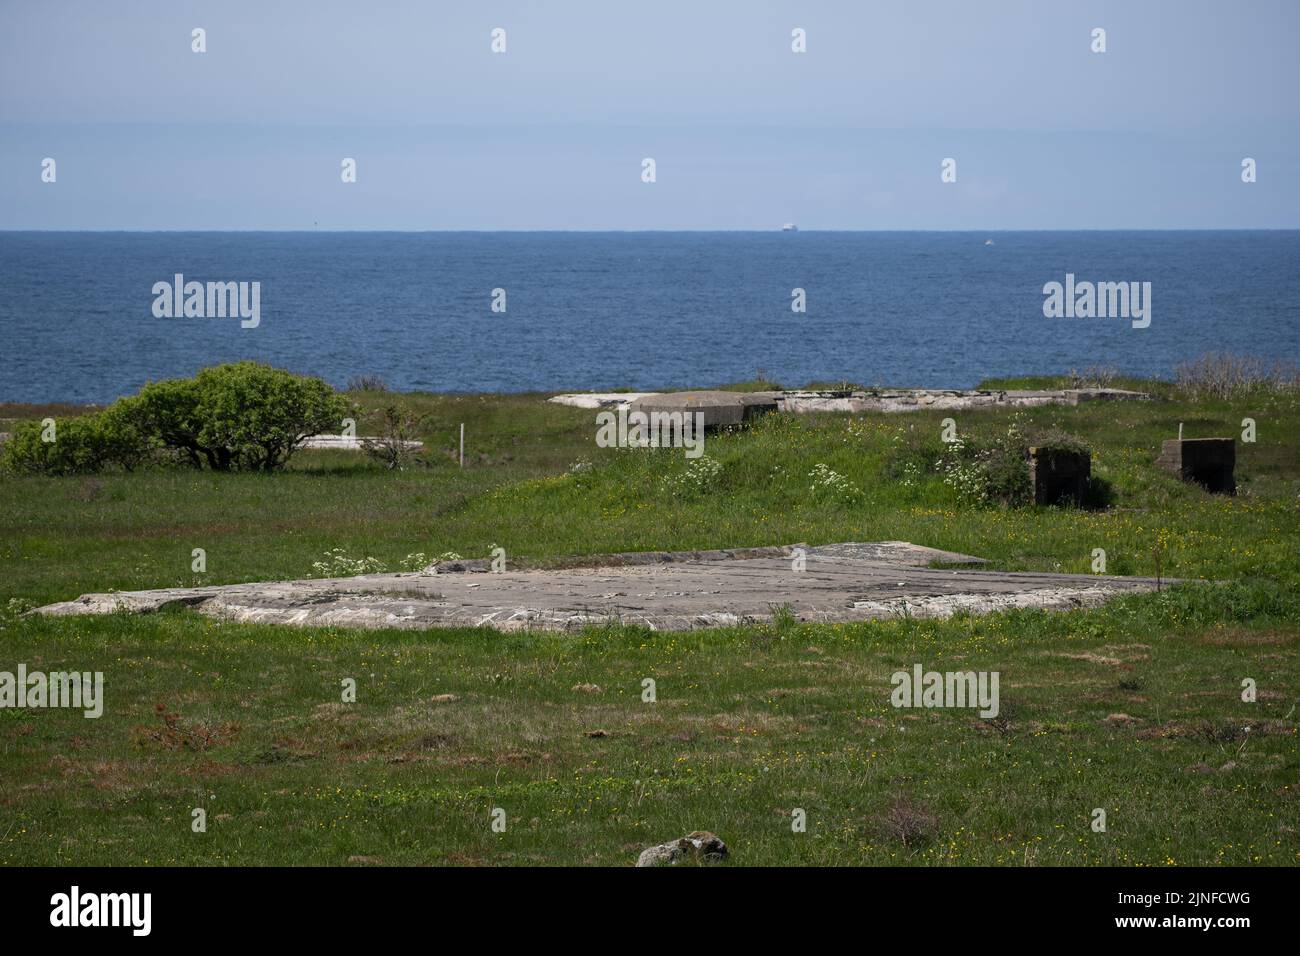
point(701, 844)
point(1209, 462)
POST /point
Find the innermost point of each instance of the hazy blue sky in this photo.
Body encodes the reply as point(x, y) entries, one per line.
point(551, 134)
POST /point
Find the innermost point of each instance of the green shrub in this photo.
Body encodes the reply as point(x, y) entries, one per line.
point(79, 445)
point(123, 435)
point(239, 417)
point(75, 448)
point(244, 416)
point(981, 470)
point(1005, 474)
point(169, 411)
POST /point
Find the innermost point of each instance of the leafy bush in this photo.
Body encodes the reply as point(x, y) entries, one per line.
point(982, 470)
point(124, 438)
point(243, 416)
point(80, 445)
point(72, 450)
point(1005, 475)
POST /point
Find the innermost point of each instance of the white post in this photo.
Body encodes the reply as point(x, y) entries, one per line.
point(462, 444)
point(1180, 431)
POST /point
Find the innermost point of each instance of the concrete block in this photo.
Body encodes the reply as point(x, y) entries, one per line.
point(1209, 462)
point(1059, 476)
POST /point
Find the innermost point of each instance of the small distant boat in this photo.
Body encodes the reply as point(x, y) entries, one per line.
point(789, 227)
point(988, 242)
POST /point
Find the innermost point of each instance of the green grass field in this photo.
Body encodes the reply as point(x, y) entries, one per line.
point(1134, 708)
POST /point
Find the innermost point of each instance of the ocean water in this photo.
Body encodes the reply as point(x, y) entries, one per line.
point(632, 310)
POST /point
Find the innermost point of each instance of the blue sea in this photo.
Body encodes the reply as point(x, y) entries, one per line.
point(645, 310)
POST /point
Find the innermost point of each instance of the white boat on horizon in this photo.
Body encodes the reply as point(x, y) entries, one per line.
point(789, 227)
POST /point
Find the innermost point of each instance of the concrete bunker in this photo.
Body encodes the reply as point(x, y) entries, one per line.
point(720, 409)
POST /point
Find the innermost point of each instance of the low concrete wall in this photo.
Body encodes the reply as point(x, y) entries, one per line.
point(350, 443)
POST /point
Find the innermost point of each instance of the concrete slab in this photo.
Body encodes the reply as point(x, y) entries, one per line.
point(852, 581)
point(880, 399)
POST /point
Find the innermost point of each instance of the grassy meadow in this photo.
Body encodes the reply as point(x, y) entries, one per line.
point(1134, 708)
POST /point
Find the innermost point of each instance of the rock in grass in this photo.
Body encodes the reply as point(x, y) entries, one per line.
point(701, 844)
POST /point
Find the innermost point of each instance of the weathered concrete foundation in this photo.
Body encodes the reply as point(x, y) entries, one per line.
point(673, 591)
point(877, 399)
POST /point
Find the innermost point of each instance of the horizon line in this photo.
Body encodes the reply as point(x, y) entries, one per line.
point(771, 230)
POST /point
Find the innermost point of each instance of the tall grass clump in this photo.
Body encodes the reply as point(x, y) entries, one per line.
point(1225, 376)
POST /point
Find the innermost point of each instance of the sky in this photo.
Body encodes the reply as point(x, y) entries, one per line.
point(745, 134)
